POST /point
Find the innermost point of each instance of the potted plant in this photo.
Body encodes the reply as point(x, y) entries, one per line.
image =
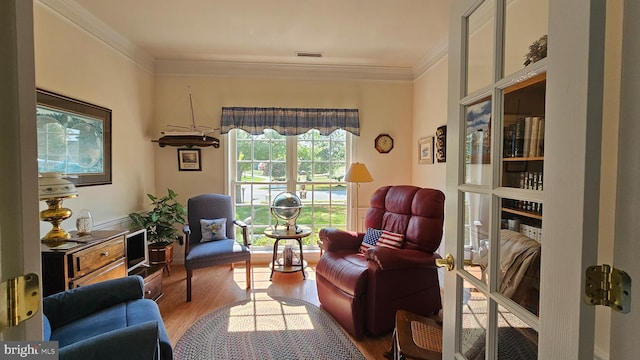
point(159, 223)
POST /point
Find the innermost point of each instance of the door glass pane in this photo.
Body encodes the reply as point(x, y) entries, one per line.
point(524, 134)
point(476, 234)
point(480, 46)
point(525, 24)
point(478, 143)
point(516, 339)
point(474, 323)
point(520, 249)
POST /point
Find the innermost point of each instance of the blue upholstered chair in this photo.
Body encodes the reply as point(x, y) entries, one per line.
point(216, 246)
point(106, 320)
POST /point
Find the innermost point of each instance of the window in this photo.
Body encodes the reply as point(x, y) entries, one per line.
point(310, 165)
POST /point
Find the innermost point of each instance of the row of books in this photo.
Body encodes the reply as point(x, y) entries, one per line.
point(530, 180)
point(521, 205)
point(524, 137)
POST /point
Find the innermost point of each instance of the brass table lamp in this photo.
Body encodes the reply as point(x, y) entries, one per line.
point(53, 189)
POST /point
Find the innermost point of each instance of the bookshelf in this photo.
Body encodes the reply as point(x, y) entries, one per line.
point(523, 154)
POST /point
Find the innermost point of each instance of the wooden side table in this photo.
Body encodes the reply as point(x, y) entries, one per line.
point(279, 265)
point(416, 337)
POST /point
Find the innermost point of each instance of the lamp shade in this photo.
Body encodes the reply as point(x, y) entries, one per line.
point(358, 173)
point(53, 186)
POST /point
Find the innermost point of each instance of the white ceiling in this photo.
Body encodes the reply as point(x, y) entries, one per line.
point(360, 33)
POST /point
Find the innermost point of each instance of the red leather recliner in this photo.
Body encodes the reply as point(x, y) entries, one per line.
point(364, 291)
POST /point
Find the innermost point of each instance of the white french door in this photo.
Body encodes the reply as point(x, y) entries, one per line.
point(523, 180)
point(19, 234)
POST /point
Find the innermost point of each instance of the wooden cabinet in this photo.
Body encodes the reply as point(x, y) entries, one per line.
point(84, 260)
point(152, 280)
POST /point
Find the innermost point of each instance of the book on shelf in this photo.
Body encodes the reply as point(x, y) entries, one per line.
point(540, 140)
point(533, 141)
point(527, 136)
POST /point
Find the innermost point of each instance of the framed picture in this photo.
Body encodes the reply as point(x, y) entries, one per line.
point(189, 160)
point(441, 143)
point(425, 150)
point(74, 138)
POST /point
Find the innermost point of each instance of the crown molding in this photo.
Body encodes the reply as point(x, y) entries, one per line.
point(73, 13)
point(432, 57)
point(70, 11)
point(282, 70)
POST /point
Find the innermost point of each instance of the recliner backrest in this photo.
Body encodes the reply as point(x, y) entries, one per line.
point(209, 206)
point(417, 213)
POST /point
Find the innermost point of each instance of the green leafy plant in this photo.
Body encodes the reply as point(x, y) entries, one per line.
point(159, 222)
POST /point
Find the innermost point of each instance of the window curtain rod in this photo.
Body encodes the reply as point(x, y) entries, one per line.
point(289, 121)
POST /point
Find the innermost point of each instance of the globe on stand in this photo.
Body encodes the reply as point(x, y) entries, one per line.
point(286, 206)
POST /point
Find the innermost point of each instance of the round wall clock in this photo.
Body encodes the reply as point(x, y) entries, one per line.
point(384, 143)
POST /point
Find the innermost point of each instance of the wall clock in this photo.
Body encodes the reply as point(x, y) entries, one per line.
point(384, 143)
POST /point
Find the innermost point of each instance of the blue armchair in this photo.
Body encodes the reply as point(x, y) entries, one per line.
point(106, 320)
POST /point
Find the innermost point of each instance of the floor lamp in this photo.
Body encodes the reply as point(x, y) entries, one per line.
point(357, 173)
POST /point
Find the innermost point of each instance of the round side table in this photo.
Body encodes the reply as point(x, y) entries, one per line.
point(281, 264)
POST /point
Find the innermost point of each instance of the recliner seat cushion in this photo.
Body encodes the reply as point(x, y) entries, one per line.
point(345, 270)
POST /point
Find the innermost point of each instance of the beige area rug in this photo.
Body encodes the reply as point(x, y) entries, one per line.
point(266, 328)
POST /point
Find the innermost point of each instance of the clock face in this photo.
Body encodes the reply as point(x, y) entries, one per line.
point(384, 143)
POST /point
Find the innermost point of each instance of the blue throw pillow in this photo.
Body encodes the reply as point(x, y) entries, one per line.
point(370, 239)
point(213, 229)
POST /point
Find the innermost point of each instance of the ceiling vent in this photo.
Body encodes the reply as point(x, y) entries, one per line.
point(309, 54)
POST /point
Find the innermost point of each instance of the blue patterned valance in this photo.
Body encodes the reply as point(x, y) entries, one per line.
point(289, 121)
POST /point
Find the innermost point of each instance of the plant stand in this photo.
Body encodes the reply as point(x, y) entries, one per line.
point(161, 255)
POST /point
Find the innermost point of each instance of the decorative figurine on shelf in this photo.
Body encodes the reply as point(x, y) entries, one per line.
point(84, 222)
point(537, 51)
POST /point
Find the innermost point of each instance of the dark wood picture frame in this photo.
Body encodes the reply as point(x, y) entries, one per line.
point(74, 138)
point(189, 160)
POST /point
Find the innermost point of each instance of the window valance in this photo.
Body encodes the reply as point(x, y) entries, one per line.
point(289, 121)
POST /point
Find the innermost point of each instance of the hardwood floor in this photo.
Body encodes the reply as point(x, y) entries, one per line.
point(218, 286)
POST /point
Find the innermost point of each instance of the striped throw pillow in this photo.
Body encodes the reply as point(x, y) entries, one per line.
point(370, 239)
point(390, 240)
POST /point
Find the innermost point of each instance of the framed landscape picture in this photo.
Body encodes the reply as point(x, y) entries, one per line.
point(74, 138)
point(189, 160)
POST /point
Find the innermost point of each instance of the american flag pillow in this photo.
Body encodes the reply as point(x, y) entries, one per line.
point(370, 239)
point(390, 240)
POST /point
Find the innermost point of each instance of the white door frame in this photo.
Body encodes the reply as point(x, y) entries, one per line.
point(625, 327)
point(19, 220)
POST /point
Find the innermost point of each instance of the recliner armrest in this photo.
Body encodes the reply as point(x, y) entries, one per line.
point(138, 342)
point(336, 239)
point(392, 259)
point(70, 305)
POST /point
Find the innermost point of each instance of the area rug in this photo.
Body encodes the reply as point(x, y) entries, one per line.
point(266, 328)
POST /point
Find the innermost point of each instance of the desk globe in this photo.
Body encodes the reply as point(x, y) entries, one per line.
point(286, 206)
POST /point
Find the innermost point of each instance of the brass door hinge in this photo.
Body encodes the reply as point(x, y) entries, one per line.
point(19, 300)
point(608, 286)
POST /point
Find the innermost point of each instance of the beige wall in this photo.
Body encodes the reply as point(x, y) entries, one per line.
point(72, 63)
point(430, 112)
point(385, 107)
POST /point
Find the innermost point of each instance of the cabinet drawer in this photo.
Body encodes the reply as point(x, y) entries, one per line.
point(116, 270)
point(153, 286)
point(86, 261)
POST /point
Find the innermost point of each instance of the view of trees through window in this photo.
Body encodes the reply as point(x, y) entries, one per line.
point(310, 165)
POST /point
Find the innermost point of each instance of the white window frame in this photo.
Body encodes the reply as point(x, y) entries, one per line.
point(292, 182)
